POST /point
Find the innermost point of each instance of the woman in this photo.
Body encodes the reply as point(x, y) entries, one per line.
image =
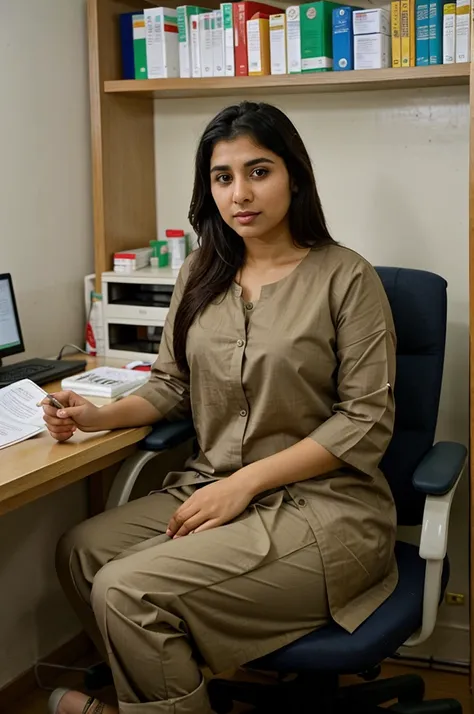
point(281, 345)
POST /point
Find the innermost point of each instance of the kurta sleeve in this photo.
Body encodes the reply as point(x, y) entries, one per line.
point(168, 388)
point(361, 426)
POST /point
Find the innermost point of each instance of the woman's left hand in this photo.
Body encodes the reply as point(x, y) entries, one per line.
point(209, 507)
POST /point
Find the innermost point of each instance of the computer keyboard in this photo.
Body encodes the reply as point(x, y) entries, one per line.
point(40, 371)
point(16, 372)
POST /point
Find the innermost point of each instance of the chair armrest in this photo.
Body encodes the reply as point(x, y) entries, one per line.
point(437, 476)
point(167, 435)
point(440, 469)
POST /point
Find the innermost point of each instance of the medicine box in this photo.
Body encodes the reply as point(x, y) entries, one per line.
point(342, 39)
point(372, 51)
point(370, 22)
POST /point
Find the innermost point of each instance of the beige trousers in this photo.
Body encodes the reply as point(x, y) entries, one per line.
point(157, 607)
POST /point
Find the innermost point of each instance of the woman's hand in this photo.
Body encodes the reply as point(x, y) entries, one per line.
point(209, 507)
point(78, 413)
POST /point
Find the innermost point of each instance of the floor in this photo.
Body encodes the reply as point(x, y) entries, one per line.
point(439, 685)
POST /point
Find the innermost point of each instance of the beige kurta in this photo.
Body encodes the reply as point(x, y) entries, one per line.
point(313, 357)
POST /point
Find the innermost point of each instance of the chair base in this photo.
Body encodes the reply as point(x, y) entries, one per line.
point(309, 693)
point(313, 693)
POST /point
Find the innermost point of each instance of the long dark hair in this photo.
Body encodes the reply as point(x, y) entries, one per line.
point(222, 250)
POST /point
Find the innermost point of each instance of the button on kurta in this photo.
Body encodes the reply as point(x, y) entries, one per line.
point(243, 413)
point(240, 343)
point(249, 306)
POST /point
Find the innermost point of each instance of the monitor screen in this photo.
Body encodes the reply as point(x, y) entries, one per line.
point(11, 341)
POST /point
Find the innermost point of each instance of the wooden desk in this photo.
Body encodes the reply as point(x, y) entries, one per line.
point(40, 465)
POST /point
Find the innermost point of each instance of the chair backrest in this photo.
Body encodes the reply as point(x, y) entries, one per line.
point(419, 305)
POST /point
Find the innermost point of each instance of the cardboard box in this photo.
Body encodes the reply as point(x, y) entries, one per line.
point(316, 36)
point(372, 51)
point(449, 33)
point(277, 27)
point(293, 39)
point(370, 22)
point(228, 22)
point(162, 43)
point(463, 31)
point(342, 38)
point(422, 30)
point(258, 45)
point(396, 39)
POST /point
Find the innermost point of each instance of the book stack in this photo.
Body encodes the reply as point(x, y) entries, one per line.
point(253, 38)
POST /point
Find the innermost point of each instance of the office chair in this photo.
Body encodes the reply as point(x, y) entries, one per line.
point(423, 477)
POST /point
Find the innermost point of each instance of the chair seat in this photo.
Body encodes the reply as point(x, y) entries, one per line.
point(333, 649)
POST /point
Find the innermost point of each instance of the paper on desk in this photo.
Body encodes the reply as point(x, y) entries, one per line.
point(20, 418)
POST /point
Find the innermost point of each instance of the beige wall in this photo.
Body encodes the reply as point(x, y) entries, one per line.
point(392, 169)
point(46, 243)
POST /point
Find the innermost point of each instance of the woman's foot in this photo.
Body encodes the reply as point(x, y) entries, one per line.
point(72, 702)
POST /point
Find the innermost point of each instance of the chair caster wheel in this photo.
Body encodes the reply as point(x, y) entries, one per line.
point(371, 674)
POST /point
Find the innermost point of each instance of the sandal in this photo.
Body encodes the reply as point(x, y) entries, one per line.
point(59, 693)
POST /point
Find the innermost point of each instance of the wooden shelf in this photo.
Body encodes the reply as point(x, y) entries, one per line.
point(413, 77)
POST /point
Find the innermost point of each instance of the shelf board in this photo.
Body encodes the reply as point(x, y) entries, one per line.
point(410, 77)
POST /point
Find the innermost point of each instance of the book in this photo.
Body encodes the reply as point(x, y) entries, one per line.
point(20, 416)
point(277, 27)
point(316, 36)
point(463, 31)
point(126, 45)
point(244, 11)
point(293, 39)
point(218, 49)
point(205, 44)
point(396, 41)
point(436, 31)
point(342, 39)
point(162, 43)
point(106, 382)
point(412, 32)
point(228, 22)
point(407, 32)
point(422, 29)
point(449, 33)
point(139, 46)
point(184, 13)
point(195, 46)
point(258, 45)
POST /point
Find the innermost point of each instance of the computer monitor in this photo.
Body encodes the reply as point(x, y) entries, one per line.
point(11, 339)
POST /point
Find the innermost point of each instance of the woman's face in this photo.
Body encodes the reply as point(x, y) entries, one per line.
point(251, 188)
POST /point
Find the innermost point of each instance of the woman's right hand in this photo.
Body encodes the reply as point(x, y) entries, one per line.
point(78, 413)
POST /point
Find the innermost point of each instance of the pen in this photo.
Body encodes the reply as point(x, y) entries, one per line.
point(53, 400)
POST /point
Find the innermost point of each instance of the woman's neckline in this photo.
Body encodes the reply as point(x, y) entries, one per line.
point(266, 287)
